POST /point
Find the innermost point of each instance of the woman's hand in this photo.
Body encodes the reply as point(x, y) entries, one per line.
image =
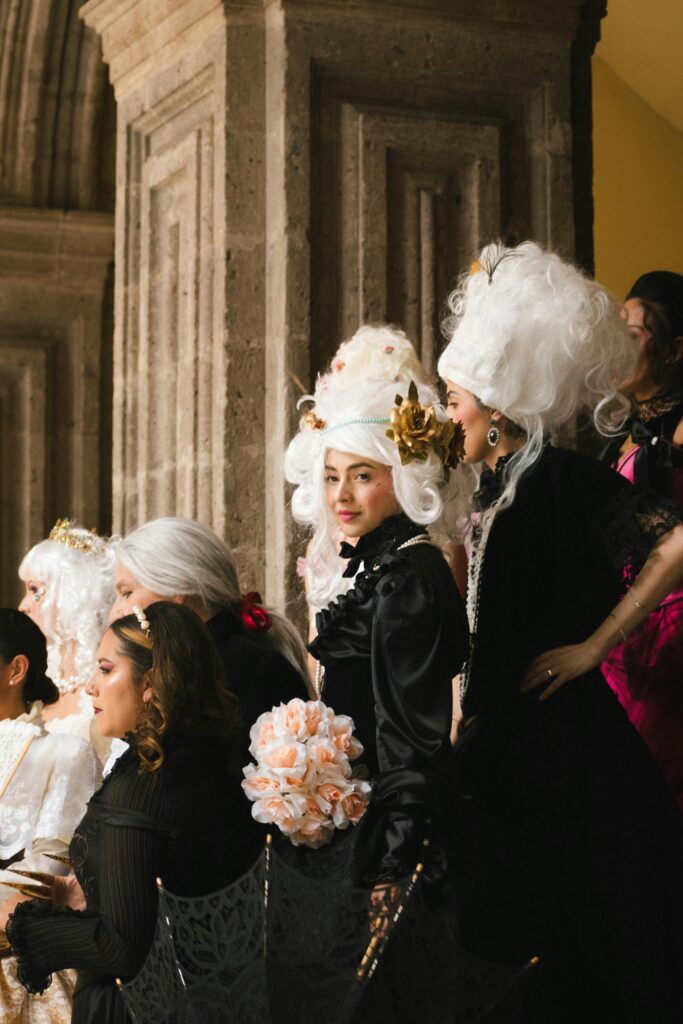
point(559, 666)
point(60, 890)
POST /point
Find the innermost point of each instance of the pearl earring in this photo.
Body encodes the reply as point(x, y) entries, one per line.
point(493, 436)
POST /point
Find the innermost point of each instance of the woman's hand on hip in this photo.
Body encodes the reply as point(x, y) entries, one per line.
point(559, 666)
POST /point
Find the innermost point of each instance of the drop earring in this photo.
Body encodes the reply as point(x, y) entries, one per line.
point(493, 436)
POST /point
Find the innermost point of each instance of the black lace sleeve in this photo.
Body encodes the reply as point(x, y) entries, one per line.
point(631, 524)
point(419, 639)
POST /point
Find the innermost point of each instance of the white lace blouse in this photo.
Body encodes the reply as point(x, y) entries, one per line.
point(46, 780)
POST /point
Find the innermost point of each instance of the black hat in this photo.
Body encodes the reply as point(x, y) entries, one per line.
point(666, 289)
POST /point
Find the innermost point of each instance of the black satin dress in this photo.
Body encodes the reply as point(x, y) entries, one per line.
point(605, 838)
point(390, 648)
point(186, 823)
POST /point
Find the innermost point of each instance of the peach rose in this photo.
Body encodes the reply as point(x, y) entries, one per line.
point(317, 717)
point(323, 754)
point(342, 730)
point(261, 733)
point(289, 720)
point(313, 834)
point(284, 759)
point(287, 812)
point(327, 796)
point(257, 784)
point(352, 805)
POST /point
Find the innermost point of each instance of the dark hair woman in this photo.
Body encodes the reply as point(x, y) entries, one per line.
point(645, 671)
point(46, 780)
point(172, 808)
point(536, 342)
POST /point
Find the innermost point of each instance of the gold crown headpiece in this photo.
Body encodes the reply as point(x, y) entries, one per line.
point(417, 430)
point(69, 533)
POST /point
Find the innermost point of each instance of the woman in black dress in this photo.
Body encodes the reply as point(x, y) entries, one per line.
point(172, 808)
point(533, 342)
point(390, 646)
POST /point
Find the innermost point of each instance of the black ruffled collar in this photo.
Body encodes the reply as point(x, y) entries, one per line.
point(491, 483)
point(380, 552)
point(391, 532)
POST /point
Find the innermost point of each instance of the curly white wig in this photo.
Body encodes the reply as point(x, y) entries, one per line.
point(375, 352)
point(356, 421)
point(531, 336)
point(79, 593)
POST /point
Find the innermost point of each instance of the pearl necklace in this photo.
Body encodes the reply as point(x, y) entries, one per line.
point(474, 571)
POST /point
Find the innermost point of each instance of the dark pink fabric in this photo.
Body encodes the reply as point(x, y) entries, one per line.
point(646, 673)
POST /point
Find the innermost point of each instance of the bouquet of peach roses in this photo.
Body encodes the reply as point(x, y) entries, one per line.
point(302, 780)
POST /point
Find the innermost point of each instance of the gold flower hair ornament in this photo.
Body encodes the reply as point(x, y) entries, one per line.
point(143, 621)
point(313, 422)
point(417, 430)
point(71, 535)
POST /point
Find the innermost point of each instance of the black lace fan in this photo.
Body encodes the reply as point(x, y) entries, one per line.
point(280, 946)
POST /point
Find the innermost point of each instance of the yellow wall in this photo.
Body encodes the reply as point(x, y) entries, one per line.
point(638, 185)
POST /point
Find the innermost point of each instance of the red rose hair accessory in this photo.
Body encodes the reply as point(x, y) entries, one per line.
point(254, 615)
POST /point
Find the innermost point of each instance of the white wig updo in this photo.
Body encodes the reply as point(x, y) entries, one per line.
point(356, 421)
point(79, 593)
point(531, 336)
point(375, 352)
point(173, 556)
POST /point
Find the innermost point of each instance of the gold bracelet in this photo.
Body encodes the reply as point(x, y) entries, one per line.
point(619, 626)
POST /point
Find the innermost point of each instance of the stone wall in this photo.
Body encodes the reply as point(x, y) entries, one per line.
point(287, 169)
point(56, 246)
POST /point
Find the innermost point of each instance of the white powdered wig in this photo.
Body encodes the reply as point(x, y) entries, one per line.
point(375, 352)
point(79, 593)
point(419, 486)
point(173, 556)
point(531, 336)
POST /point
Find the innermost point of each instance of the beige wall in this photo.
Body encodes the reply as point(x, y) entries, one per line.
point(638, 185)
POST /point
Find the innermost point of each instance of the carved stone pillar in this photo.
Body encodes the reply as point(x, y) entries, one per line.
point(288, 169)
point(54, 359)
point(189, 295)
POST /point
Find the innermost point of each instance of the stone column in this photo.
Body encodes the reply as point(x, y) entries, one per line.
point(189, 296)
point(288, 169)
point(54, 359)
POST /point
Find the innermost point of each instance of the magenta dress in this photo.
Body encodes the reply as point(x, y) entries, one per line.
point(646, 672)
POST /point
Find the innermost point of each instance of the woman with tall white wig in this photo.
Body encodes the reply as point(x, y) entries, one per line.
point(375, 462)
point(178, 559)
point(568, 559)
point(379, 353)
point(69, 581)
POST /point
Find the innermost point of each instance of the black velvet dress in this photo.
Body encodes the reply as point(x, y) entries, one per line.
point(605, 838)
point(186, 823)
